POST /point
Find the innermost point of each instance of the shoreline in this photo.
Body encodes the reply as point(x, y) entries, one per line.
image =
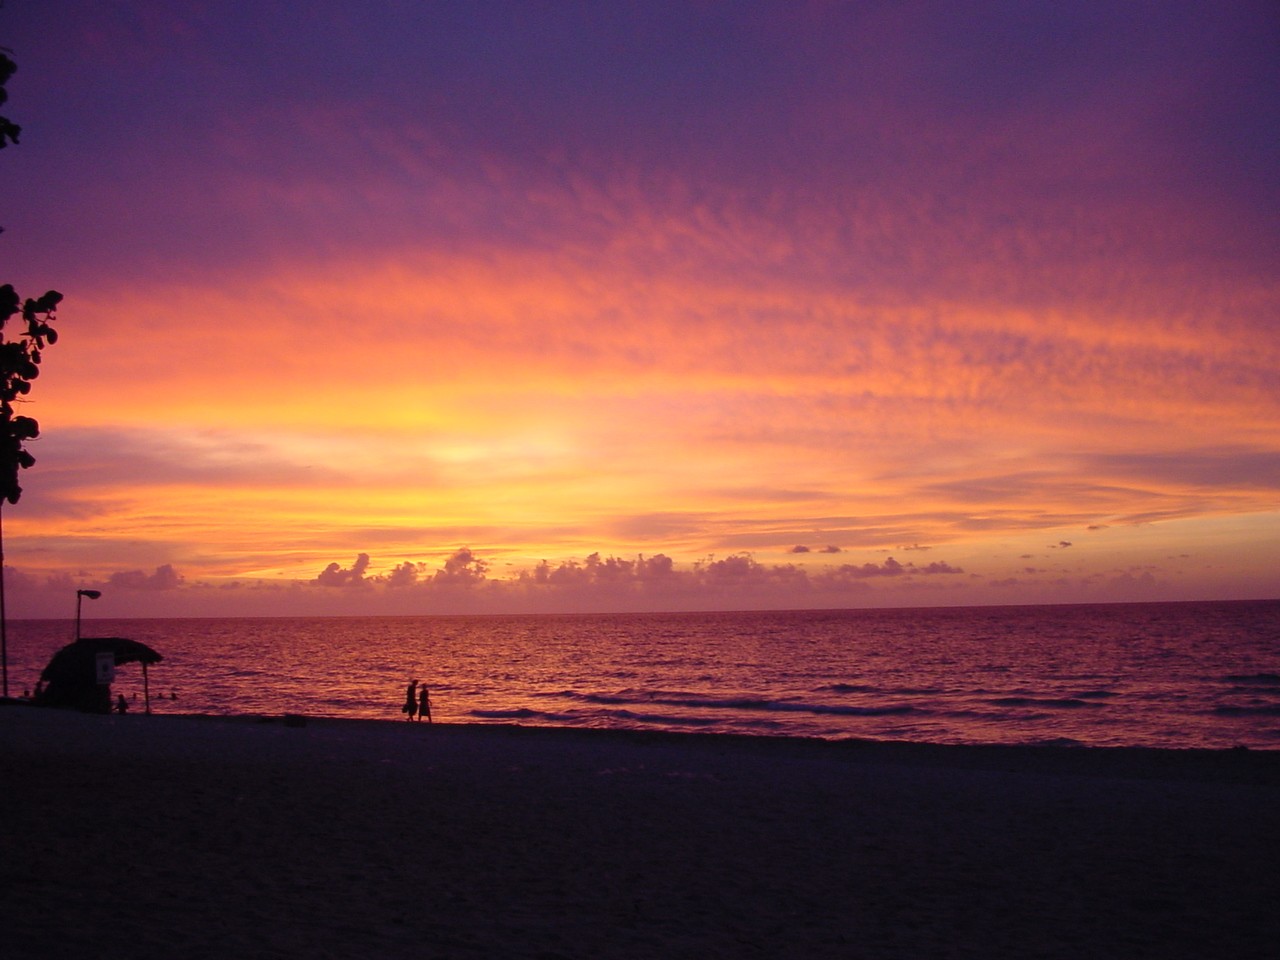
point(1254, 764)
point(335, 837)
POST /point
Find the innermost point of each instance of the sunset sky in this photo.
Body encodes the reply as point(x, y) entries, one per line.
point(414, 307)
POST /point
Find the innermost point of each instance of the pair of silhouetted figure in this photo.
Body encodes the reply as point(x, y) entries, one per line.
point(417, 703)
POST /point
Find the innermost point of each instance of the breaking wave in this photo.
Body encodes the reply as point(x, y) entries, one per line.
point(1254, 679)
point(700, 702)
point(1264, 710)
point(1059, 703)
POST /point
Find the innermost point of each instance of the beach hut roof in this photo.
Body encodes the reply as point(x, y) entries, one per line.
point(72, 675)
point(75, 660)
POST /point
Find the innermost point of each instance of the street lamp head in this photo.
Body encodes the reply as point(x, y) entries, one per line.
point(91, 594)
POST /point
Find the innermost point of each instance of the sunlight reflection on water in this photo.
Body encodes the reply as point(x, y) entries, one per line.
point(1157, 675)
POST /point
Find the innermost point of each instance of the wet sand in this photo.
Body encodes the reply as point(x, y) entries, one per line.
point(213, 837)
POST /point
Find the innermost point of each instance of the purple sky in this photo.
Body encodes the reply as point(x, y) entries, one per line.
point(535, 282)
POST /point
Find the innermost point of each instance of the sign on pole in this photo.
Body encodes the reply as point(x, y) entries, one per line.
point(106, 668)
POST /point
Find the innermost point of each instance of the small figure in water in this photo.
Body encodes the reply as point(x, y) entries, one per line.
point(424, 703)
point(122, 705)
point(410, 700)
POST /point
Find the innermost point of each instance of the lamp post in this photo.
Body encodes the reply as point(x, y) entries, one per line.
point(80, 595)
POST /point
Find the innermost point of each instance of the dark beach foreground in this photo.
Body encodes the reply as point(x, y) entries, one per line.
point(202, 837)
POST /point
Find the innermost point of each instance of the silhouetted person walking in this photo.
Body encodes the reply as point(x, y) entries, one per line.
point(424, 703)
point(410, 700)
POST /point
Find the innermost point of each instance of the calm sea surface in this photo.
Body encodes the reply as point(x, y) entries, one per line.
point(1168, 675)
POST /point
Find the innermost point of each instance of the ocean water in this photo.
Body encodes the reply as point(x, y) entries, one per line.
point(1164, 675)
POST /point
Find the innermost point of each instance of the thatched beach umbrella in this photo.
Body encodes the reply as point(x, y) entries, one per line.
point(80, 674)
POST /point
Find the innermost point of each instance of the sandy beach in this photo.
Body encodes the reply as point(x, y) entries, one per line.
point(199, 837)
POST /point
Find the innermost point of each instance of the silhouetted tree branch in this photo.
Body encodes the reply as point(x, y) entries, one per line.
point(19, 365)
point(20, 357)
point(8, 129)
